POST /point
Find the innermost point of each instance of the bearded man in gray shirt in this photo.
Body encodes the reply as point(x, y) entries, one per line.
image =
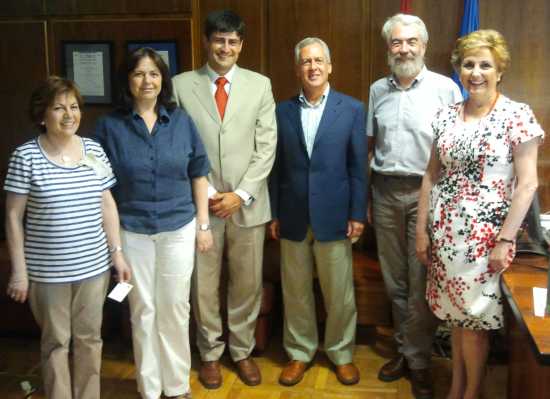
point(401, 108)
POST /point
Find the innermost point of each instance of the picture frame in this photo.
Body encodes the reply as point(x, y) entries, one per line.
point(167, 49)
point(89, 65)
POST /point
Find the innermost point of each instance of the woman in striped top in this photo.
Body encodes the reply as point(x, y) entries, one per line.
point(59, 184)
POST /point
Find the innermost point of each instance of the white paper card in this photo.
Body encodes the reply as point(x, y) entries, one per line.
point(88, 72)
point(120, 291)
point(539, 299)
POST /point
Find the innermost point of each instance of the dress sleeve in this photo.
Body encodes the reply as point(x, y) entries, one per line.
point(523, 126)
point(18, 178)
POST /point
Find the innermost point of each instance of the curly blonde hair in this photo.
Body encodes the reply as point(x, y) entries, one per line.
point(483, 38)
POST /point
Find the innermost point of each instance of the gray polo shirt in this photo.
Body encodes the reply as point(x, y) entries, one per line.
point(400, 120)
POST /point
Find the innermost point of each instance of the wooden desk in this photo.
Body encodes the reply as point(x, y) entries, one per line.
point(528, 336)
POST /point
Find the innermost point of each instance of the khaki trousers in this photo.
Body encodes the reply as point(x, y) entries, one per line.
point(245, 246)
point(70, 312)
point(162, 265)
point(333, 261)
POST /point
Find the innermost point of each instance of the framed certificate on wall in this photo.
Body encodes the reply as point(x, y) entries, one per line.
point(89, 65)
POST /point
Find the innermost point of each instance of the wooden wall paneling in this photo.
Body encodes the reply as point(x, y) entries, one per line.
point(196, 29)
point(346, 43)
point(526, 29)
point(83, 7)
point(253, 13)
point(23, 51)
point(119, 31)
point(339, 24)
point(442, 19)
point(380, 11)
point(24, 63)
point(21, 8)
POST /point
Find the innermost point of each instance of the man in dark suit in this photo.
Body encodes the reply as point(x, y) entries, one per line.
point(318, 198)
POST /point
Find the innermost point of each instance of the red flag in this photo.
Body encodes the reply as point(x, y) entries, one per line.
point(406, 6)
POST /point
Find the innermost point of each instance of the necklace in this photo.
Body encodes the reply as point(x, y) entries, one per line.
point(64, 156)
point(476, 119)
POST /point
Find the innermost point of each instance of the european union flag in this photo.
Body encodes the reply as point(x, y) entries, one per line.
point(470, 23)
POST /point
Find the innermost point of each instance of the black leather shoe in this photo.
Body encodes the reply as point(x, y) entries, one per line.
point(421, 383)
point(394, 369)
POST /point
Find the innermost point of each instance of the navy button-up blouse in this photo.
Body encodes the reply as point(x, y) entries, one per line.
point(154, 170)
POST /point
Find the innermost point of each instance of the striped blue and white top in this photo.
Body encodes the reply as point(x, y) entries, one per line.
point(64, 236)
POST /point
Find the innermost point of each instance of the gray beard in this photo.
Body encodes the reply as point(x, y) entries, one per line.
point(405, 69)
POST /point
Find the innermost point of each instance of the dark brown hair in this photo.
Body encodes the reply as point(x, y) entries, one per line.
point(44, 95)
point(225, 21)
point(132, 60)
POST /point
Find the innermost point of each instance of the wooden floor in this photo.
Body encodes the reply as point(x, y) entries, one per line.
point(19, 361)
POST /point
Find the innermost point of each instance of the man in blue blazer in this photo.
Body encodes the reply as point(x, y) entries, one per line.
point(318, 199)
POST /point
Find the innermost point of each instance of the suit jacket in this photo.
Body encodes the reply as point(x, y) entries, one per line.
point(330, 188)
point(241, 149)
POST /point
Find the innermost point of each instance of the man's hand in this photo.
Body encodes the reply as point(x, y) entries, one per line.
point(355, 229)
point(273, 227)
point(223, 205)
point(423, 248)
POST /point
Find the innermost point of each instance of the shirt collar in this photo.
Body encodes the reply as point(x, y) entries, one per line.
point(303, 100)
point(213, 75)
point(163, 115)
point(419, 78)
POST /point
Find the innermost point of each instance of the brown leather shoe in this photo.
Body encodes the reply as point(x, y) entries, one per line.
point(394, 369)
point(248, 371)
point(347, 374)
point(292, 373)
point(421, 383)
point(210, 375)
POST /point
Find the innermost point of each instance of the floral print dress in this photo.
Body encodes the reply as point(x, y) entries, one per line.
point(468, 206)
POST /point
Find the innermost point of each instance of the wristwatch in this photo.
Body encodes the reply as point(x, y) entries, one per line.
point(203, 227)
point(115, 248)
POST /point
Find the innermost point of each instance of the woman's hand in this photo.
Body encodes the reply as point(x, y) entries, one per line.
point(123, 271)
point(501, 256)
point(204, 240)
point(423, 248)
point(18, 287)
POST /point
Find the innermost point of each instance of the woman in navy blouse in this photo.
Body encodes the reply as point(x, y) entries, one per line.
point(161, 167)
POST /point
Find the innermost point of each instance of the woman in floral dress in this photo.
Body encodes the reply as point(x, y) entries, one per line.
point(478, 187)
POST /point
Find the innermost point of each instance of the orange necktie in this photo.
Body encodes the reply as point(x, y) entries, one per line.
point(221, 95)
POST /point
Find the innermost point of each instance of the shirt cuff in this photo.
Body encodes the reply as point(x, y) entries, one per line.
point(211, 191)
point(247, 198)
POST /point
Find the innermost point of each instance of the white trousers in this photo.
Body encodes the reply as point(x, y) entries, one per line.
point(162, 265)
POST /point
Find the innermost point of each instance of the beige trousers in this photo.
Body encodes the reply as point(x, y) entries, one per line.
point(245, 247)
point(70, 312)
point(333, 263)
